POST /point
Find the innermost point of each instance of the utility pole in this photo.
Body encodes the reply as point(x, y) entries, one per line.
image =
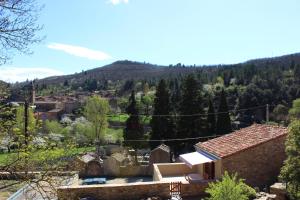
point(26, 122)
point(267, 113)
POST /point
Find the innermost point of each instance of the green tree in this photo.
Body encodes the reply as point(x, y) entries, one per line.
point(66, 83)
point(162, 123)
point(280, 113)
point(147, 101)
point(134, 130)
point(223, 118)
point(294, 112)
point(91, 84)
point(145, 88)
point(191, 122)
point(229, 188)
point(53, 127)
point(211, 119)
point(83, 132)
point(290, 172)
point(7, 123)
point(96, 110)
point(32, 123)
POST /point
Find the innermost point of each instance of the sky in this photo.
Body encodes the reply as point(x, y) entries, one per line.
point(81, 35)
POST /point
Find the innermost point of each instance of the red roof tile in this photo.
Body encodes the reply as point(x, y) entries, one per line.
point(242, 139)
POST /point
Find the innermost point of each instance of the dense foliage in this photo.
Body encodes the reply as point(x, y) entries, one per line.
point(134, 130)
point(230, 188)
point(223, 125)
point(290, 173)
point(96, 110)
point(191, 122)
point(162, 123)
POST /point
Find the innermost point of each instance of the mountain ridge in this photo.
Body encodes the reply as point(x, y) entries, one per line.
point(126, 69)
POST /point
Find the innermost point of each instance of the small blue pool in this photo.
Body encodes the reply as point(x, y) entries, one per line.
point(92, 181)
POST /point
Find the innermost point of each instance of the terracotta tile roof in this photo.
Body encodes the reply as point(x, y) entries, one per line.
point(242, 139)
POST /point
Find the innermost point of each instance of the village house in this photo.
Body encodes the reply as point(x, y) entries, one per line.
point(255, 153)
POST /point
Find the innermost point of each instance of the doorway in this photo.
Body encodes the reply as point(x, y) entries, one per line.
point(209, 170)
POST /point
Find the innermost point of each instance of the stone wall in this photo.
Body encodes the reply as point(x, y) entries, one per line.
point(172, 169)
point(259, 165)
point(111, 167)
point(92, 169)
point(130, 191)
point(115, 191)
point(135, 170)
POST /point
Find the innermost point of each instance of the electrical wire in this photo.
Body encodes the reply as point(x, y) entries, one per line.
point(185, 139)
point(189, 115)
point(174, 139)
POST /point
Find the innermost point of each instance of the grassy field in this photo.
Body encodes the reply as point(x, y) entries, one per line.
point(122, 118)
point(118, 118)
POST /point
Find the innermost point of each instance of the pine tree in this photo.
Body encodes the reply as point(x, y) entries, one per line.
point(191, 123)
point(223, 119)
point(163, 127)
point(211, 119)
point(134, 129)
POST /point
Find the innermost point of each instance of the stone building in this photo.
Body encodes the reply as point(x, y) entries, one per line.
point(113, 163)
point(90, 166)
point(160, 154)
point(256, 153)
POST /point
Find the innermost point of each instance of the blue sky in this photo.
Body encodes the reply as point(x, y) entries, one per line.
point(82, 34)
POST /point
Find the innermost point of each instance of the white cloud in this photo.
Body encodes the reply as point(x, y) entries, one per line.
point(80, 51)
point(14, 74)
point(116, 2)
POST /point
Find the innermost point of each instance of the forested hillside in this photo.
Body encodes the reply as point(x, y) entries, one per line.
point(253, 84)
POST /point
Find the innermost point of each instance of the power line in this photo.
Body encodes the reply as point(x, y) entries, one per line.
point(175, 139)
point(190, 115)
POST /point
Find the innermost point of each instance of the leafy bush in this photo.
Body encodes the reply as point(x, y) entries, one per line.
point(230, 188)
point(290, 172)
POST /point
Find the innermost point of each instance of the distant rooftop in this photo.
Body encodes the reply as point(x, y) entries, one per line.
point(163, 147)
point(242, 139)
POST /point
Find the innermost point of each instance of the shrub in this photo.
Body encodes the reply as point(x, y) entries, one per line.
point(230, 188)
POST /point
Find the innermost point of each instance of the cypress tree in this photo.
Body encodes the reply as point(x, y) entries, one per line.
point(297, 73)
point(163, 127)
point(134, 130)
point(175, 94)
point(223, 119)
point(190, 122)
point(211, 119)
